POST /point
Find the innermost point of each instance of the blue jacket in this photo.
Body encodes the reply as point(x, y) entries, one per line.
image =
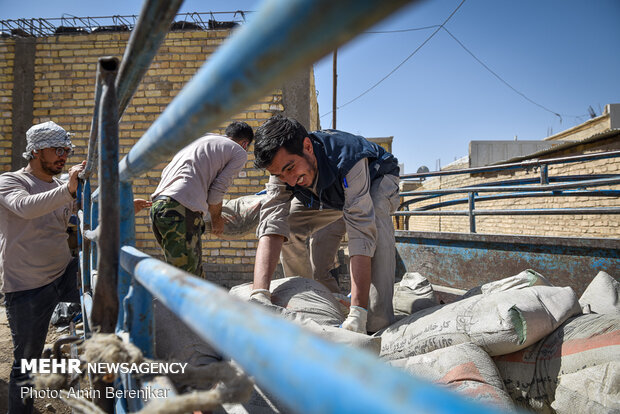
point(336, 153)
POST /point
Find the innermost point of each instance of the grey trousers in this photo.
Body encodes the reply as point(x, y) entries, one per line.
point(315, 238)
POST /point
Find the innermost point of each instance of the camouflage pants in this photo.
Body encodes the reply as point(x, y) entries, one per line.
point(178, 231)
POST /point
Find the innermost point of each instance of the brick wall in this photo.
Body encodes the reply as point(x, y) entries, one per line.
point(64, 85)
point(7, 51)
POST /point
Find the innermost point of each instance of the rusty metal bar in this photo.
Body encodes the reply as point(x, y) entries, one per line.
point(309, 374)
point(105, 303)
point(274, 45)
point(148, 34)
point(92, 152)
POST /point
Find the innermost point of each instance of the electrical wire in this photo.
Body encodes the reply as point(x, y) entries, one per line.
point(438, 28)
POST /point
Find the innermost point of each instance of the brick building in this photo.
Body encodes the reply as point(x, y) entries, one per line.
point(53, 78)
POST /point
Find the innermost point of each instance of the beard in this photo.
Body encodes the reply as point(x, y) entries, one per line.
point(312, 168)
point(52, 168)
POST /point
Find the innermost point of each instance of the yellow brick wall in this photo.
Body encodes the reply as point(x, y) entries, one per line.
point(556, 225)
point(7, 50)
point(64, 86)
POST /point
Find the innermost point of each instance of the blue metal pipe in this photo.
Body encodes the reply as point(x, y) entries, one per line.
point(105, 301)
point(495, 189)
point(568, 193)
point(127, 238)
point(146, 37)
point(517, 165)
point(283, 37)
point(91, 154)
point(304, 371)
point(515, 212)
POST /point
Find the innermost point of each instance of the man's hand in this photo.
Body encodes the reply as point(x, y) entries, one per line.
point(217, 225)
point(262, 296)
point(140, 204)
point(217, 222)
point(73, 177)
point(356, 321)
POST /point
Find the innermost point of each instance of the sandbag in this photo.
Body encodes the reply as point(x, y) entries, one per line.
point(241, 215)
point(464, 368)
point(311, 305)
point(531, 375)
point(522, 280)
point(594, 390)
point(413, 293)
point(500, 323)
point(602, 295)
point(298, 294)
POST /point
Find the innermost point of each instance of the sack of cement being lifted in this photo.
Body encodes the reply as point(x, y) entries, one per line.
point(241, 215)
point(499, 323)
point(464, 368)
point(308, 303)
point(413, 293)
point(527, 278)
point(582, 354)
point(602, 295)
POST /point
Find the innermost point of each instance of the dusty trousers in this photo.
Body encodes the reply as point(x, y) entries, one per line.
point(311, 253)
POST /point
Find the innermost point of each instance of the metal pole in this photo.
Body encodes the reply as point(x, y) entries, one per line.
point(472, 217)
point(544, 174)
point(105, 304)
point(146, 37)
point(259, 56)
point(303, 371)
point(335, 90)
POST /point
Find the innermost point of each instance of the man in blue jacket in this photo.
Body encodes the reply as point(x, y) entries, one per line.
point(317, 179)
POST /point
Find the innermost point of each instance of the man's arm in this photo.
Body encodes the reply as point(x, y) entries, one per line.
point(15, 198)
point(359, 217)
point(217, 222)
point(267, 256)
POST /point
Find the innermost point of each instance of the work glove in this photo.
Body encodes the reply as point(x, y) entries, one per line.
point(356, 321)
point(262, 296)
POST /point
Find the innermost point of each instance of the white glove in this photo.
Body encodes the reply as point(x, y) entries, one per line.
point(356, 321)
point(262, 296)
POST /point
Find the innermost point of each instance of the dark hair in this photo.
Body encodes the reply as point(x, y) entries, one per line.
point(239, 130)
point(278, 132)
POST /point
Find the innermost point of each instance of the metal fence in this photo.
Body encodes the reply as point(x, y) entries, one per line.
point(304, 372)
point(544, 186)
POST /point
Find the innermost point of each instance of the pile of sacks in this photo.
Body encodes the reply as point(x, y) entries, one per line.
point(514, 343)
point(517, 342)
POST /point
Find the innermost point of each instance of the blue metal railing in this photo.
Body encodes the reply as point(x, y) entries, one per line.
point(563, 186)
point(306, 373)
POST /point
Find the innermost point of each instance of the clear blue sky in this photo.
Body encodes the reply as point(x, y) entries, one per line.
point(561, 54)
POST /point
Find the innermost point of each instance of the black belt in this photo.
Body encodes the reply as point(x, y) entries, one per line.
point(163, 198)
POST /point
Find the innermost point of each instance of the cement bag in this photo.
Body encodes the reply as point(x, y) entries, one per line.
point(524, 279)
point(311, 305)
point(464, 368)
point(413, 293)
point(298, 294)
point(602, 295)
point(531, 375)
point(591, 390)
point(500, 323)
point(241, 215)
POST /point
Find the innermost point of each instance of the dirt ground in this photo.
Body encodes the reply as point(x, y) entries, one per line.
point(44, 405)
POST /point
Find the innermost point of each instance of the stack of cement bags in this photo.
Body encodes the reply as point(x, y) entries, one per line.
point(518, 339)
point(311, 305)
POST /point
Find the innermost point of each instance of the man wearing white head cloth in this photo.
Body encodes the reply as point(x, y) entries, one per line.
point(36, 267)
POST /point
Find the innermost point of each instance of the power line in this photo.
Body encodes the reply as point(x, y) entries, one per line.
point(504, 81)
point(402, 30)
point(438, 28)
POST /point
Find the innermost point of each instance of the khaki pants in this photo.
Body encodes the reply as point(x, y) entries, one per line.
point(312, 247)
